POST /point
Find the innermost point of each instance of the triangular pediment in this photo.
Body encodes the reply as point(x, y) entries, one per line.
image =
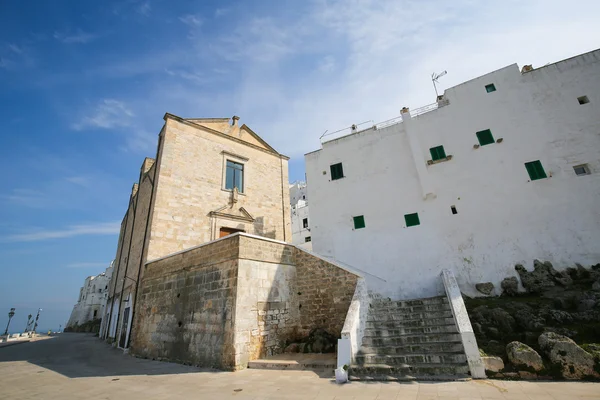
point(236, 214)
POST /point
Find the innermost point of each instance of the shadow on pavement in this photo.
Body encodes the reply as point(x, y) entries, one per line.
point(79, 355)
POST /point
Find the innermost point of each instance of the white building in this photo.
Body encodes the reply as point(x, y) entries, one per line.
point(505, 169)
point(299, 209)
point(92, 299)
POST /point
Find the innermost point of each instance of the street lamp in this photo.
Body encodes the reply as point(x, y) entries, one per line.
point(11, 314)
point(36, 319)
point(28, 322)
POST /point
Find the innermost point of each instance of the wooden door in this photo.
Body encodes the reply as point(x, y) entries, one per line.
point(228, 231)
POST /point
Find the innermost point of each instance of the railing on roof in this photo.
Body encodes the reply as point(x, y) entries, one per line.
point(327, 137)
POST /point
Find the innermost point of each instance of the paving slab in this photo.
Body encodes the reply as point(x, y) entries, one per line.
point(80, 366)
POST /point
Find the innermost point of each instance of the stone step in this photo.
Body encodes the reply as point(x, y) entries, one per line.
point(407, 316)
point(410, 339)
point(296, 361)
point(393, 324)
point(408, 309)
point(423, 348)
point(409, 372)
point(412, 358)
point(398, 331)
point(439, 300)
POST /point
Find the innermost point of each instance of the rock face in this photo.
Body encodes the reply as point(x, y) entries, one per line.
point(519, 354)
point(510, 286)
point(574, 362)
point(492, 363)
point(542, 277)
point(485, 288)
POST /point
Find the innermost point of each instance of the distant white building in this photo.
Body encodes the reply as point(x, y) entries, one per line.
point(299, 209)
point(504, 169)
point(92, 299)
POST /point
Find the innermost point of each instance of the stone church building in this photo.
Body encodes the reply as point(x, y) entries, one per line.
point(204, 273)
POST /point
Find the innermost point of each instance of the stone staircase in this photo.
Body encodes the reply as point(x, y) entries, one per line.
point(410, 339)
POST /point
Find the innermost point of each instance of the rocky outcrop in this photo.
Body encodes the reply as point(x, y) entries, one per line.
point(510, 286)
point(573, 361)
point(519, 354)
point(542, 277)
point(317, 341)
point(485, 288)
point(492, 363)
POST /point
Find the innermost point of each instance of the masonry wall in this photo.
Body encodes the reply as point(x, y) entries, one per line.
point(186, 309)
point(503, 218)
point(190, 185)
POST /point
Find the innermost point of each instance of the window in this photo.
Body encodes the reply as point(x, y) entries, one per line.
point(359, 222)
point(234, 176)
point(412, 219)
point(582, 169)
point(490, 88)
point(437, 153)
point(228, 231)
point(337, 171)
point(95, 313)
point(583, 100)
point(453, 208)
point(303, 197)
point(535, 170)
point(307, 239)
point(485, 137)
point(305, 223)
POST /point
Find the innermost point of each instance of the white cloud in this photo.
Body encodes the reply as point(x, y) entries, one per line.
point(102, 228)
point(15, 49)
point(79, 37)
point(144, 9)
point(192, 20)
point(219, 12)
point(107, 114)
point(88, 265)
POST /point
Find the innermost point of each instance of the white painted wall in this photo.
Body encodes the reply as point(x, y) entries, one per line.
point(299, 212)
point(503, 218)
point(92, 298)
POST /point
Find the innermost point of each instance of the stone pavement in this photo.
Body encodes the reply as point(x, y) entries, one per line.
point(80, 366)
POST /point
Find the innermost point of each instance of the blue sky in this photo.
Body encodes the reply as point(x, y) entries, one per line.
point(84, 86)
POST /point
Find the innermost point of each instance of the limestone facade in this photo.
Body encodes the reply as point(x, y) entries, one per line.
point(92, 299)
point(185, 198)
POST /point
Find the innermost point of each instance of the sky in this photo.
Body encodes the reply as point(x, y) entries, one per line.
point(84, 86)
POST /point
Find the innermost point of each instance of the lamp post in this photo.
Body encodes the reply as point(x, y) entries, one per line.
point(11, 314)
point(36, 320)
point(28, 322)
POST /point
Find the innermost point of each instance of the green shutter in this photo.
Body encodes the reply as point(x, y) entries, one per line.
point(485, 137)
point(359, 222)
point(437, 153)
point(535, 170)
point(412, 219)
point(490, 88)
point(337, 171)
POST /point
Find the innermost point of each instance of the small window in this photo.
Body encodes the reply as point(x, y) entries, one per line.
point(337, 172)
point(412, 219)
point(95, 313)
point(485, 137)
point(303, 197)
point(490, 88)
point(359, 222)
point(535, 170)
point(437, 153)
point(582, 169)
point(234, 176)
point(453, 208)
point(583, 100)
point(305, 223)
point(307, 239)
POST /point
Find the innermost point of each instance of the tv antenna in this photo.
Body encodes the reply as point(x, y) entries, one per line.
point(434, 79)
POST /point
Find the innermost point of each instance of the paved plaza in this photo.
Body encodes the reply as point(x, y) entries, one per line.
point(80, 366)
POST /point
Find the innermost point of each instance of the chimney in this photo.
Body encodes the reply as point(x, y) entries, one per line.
point(404, 110)
point(234, 120)
point(353, 128)
point(526, 68)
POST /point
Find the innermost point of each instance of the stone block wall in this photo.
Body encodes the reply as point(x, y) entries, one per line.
point(186, 308)
point(324, 293)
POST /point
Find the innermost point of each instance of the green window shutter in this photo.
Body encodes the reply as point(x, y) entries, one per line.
point(359, 222)
point(490, 88)
point(535, 170)
point(485, 137)
point(337, 171)
point(412, 219)
point(437, 153)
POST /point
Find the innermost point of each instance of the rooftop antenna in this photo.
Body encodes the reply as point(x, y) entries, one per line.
point(434, 79)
